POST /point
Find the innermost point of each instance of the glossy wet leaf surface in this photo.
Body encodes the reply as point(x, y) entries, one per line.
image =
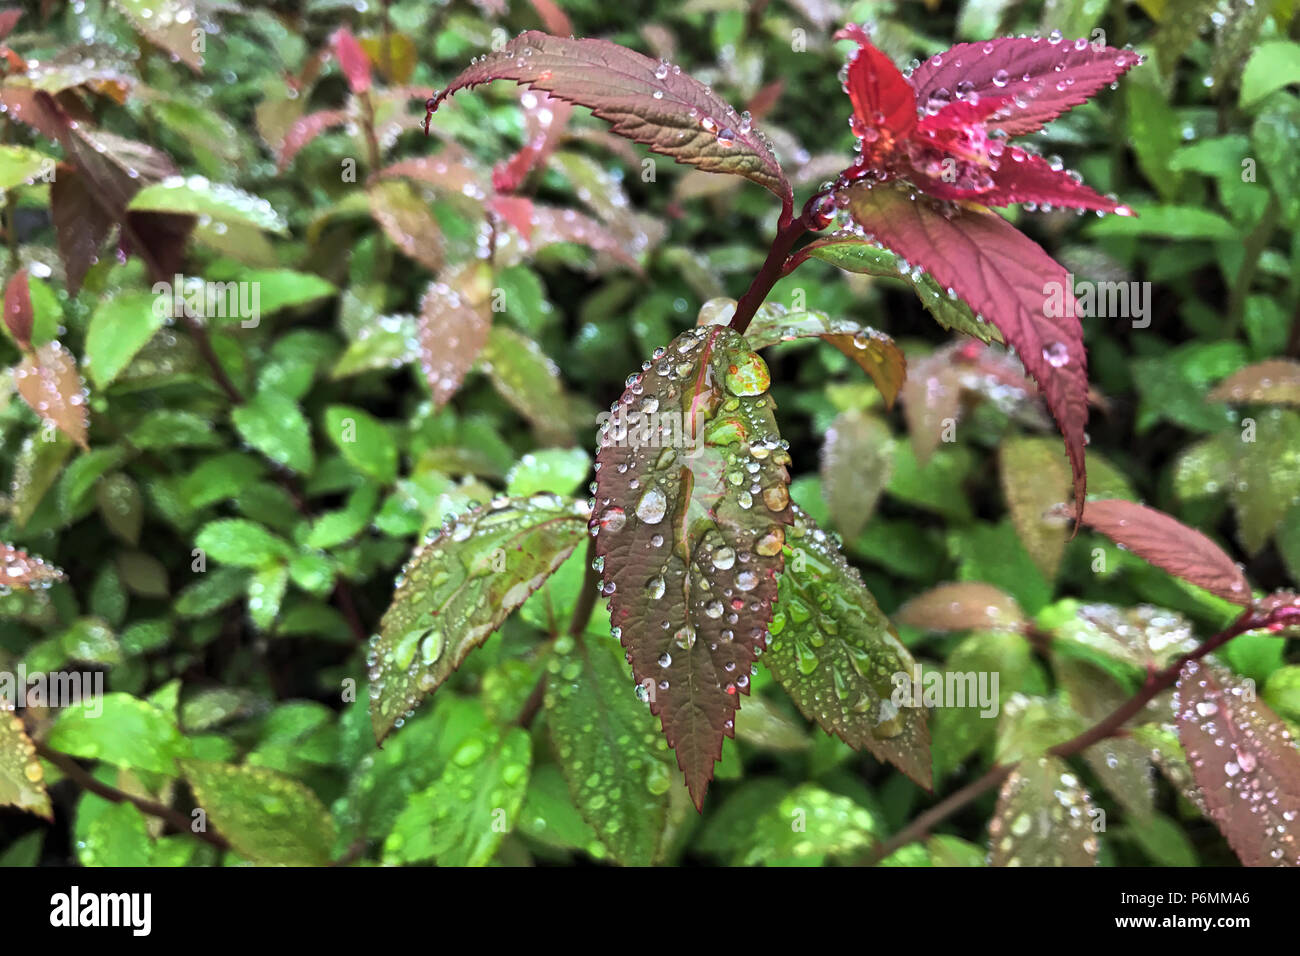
point(689, 524)
point(456, 590)
point(834, 652)
point(1042, 818)
point(22, 781)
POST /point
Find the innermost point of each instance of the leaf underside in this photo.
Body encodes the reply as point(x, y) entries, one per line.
point(457, 589)
point(833, 651)
point(689, 525)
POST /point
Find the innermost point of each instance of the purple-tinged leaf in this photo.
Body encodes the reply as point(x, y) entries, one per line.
point(50, 384)
point(406, 220)
point(1004, 275)
point(1245, 763)
point(447, 171)
point(1043, 818)
point(1048, 77)
point(18, 309)
point(689, 525)
point(649, 102)
point(834, 652)
point(1170, 545)
point(457, 589)
point(80, 224)
point(305, 129)
point(352, 60)
point(545, 118)
point(18, 569)
point(874, 352)
point(1275, 382)
point(22, 780)
point(962, 606)
point(552, 225)
point(453, 327)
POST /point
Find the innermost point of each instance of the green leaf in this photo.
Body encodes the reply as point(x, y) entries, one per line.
point(807, 826)
point(557, 470)
point(836, 655)
point(1036, 478)
point(364, 441)
point(119, 328)
point(118, 836)
point(336, 527)
point(241, 543)
point(267, 817)
point(1043, 818)
point(196, 196)
point(22, 781)
point(463, 817)
point(458, 588)
point(212, 591)
point(122, 730)
point(1272, 66)
point(613, 757)
point(275, 426)
point(21, 165)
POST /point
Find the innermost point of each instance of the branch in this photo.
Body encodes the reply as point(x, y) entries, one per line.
point(174, 818)
point(774, 266)
point(1110, 726)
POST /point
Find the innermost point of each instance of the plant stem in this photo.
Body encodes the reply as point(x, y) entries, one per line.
point(772, 269)
point(1255, 244)
point(1110, 726)
point(174, 818)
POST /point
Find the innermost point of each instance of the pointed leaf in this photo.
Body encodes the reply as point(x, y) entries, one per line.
point(405, 219)
point(1245, 763)
point(18, 309)
point(352, 59)
point(457, 589)
point(857, 460)
point(608, 743)
point(1005, 276)
point(550, 225)
point(453, 324)
point(305, 129)
point(1048, 77)
point(1036, 479)
point(691, 504)
point(1170, 545)
point(686, 120)
point(22, 780)
point(268, 817)
point(1043, 818)
point(80, 224)
point(49, 382)
point(169, 25)
point(834, 652)
point(874, 352)
point(119, 328)
point(196, 196)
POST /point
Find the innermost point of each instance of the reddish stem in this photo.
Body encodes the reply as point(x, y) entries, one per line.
point(774, 266)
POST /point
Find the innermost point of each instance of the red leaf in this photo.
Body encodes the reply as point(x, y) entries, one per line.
point(545, 118)
point(516, 210)
point(18, 309)
point(883, 100)
point(1245, 763)
point(18, 569)
point(8, 20)
point(1048, 77)
point(49, 383)
point(962, 606)
point(1024, 177)
point(454, 322)
point(80, 224)
point(304, 130)
point(447, 171)
point(686, 120)
point(553, 18)
point(352, 59)
point(552, 225)
point(1170, 545)
point(406, 220)
point(689, 559)
point(1004, 275)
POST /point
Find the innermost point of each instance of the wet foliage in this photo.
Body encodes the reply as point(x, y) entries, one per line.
point(483, 433)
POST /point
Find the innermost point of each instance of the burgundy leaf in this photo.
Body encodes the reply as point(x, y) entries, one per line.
point(545, 118)
point(1244, 761)
point(553, 18)
point(1049, 77)
point(1170, 545)
point(352, 60)
point(649, 102)
point(1022, 176)
point(1275, 382)
point(453, 324)
point(1004, 275)
point(18, 309)
point(8, 20)
point(18, 569)
point(883, 100)
point(689, 555)
point(80, 224)
point(49, 383)
point(446, 172)
point(303, 130)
